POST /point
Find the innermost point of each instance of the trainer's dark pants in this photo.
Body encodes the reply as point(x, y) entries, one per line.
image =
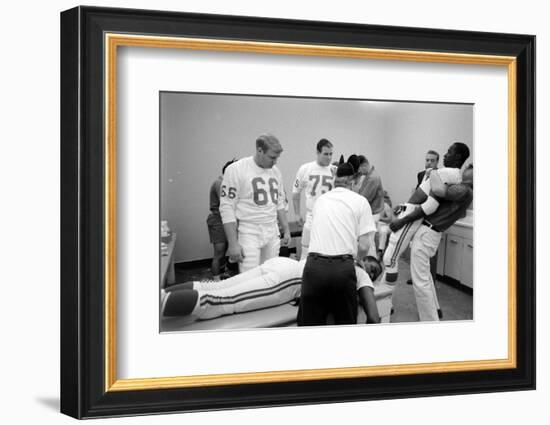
point(328, 286)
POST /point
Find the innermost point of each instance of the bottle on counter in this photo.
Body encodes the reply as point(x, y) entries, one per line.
point(165, 233)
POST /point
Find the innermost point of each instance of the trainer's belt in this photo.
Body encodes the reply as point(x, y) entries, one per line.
point(330, 257)
point(430, 226)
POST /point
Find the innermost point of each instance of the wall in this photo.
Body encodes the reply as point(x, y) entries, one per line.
point(413, 129)
point(200, 133)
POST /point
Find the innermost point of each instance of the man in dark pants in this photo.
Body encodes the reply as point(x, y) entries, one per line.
point(342, 229)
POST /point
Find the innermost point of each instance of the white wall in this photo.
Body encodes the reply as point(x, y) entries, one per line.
point(413, 129)
point(200, 132)
point(29, 217)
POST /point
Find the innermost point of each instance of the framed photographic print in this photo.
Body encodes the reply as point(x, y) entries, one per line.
point(199, 156)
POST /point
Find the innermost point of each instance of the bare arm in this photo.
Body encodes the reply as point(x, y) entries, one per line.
point(283, 220)
point(235, 250)
point(457, 192)
point(368, 302)
point(387, 216)
point(415, 214)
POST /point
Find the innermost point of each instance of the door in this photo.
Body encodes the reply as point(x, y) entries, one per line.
point(453, 256)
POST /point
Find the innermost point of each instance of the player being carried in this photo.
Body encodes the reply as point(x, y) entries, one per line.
point(437, 184)
point(314, 178)
point(275, 282)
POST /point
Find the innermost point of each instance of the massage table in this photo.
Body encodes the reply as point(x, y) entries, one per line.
point(278, 316)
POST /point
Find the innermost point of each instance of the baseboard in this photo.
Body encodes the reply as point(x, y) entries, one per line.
point(206, 262)
point(455, 284)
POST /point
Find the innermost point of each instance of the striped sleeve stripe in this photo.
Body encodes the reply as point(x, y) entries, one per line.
point(399, 243)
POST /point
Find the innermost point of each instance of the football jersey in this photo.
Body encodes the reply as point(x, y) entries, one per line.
point(250, 193)
point(315, 180)
point(363, 278)
point(448, 176)
point(339, 218)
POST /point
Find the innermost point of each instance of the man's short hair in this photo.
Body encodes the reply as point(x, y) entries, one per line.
point(362, 159)
point(379, 267)
point(354, 161)
point(322, 143)
point(269, 141)
point(463, 151)
point(345, 170)
point(432, 152)
point(344, 174)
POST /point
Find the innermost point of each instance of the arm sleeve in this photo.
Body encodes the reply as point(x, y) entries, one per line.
point(282, 202)
point(363, 278)
point(370, 188)
point(430, 205)
point(229, 194)
point(299, 182)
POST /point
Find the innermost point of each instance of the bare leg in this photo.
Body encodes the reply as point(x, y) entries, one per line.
point(218, 261)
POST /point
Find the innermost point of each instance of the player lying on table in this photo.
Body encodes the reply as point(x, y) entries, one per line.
point(275, 282)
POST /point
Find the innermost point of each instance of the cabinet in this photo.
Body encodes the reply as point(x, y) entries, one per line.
point(467, 276)
point(455, 256)
point(440, 270)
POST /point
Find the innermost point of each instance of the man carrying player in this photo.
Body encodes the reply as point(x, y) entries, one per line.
point(454, 202)
point(399, 240)
point(251, 201)
point(314, 178)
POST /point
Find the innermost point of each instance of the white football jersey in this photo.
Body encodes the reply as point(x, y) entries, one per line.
point(250, 193)
point(448, 176)
point(363, 278)
point(315, 180)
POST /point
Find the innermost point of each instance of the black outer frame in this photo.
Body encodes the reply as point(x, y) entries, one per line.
point(82, 212)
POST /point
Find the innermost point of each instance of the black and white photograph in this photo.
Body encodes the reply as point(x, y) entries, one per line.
point(280, 211)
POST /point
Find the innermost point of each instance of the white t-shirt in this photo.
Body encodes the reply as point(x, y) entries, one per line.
point(315, 179)
point(339, 218)
point(250, 193)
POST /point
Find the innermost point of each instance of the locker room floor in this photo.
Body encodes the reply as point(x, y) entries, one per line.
point(456, 304)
